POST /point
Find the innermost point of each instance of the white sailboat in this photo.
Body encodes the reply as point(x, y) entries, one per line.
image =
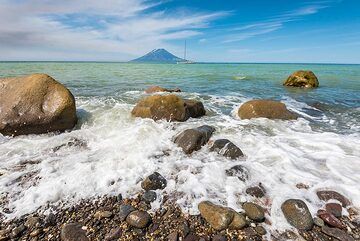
point(185, 61)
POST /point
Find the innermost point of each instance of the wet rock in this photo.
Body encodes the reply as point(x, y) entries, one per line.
point(32, 222)
point(154, 89)
point(302, 186)
point(73, 232)
point(265, 109)
point(226, 148)
point(238, 222)
point(330, 219)
point(238, 171)
point(35, 104)
point(50, 220)
point(17, 231)
point(149, 196)
point(217, 216)
point(297, 214)
point(260, 230)
point(192, 140)
point(334, 208)
point(337, 233)
point(102, 214)
point(318, 222)
point(254, 211)
point(218, 237)
point(4, 235)
point(173, 236)
point(114, 234)
point(124, 211)
point(302, 78)
point(36, 232)
point(256, 191)
point(138, 219)
point(153, 182)
point(168, 107)
point(191, 237)
point(328, 195)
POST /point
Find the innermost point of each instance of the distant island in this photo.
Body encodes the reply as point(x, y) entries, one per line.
point(159, 56)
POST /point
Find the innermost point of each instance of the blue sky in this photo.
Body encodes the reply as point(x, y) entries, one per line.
point(216, 31)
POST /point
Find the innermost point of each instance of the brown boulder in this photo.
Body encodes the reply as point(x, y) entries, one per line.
point(217, 216)
point(266, 109)
point(35, 104)
point(297, 214)
point(326, 195)
point(168, 107)
point(302, 78)
point(154, 89)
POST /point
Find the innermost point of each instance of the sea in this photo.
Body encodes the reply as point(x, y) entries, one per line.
point(109, 152)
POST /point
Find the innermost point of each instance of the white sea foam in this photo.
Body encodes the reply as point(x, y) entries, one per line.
point(116, 151)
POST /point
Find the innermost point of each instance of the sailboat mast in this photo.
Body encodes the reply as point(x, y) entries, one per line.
point(185, 51)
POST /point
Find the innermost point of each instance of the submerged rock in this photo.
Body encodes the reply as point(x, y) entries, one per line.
point(149, 196)
point(138, 219)
point(35, 104)
point(217, 216)
point(168, 107)
point(154, 89)
point(153, 182)
point(226, 148)
point(73, 232)
point(192, 140)
point(302, 78)
point(265, 109)
point(238, 171)
point(256, 191)
point(297, 214)
point(254, 211)
point(328, 195)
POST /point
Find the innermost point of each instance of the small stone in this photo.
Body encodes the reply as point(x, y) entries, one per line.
point(73, 232)
point(219, 237)
point(17, 231)
point(238, 171)
point(153, 182)
point(4, 235)
point(254, 211)
point(191, 140)
point(297, 214)
point(35, 233)
point(32, 222)
point(226, 148)
point(173, 236)
point(255, 191)
point(330, 219)
point(260, 230)
point(50, 220)
point(238, 222)
point(125, 210)
point(217, 216)
point(319, 222)
point(337, 233)
point(328, 195)
point(138, 219)
point(102, 214)
point(191, 237)
point(334, 208)
point(149, 196)
point(302, 186)
point(114, 234)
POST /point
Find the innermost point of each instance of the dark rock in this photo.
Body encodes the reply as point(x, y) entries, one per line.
point(328, 195)
point(256, 191)
point(217, 216)
point(260, 230)
point(238, 222)
point(334, 208)
point(32, 222)
point(153, 182)
point(17, 231)
point(191, 237)
point(138, 219)
point(114, 234)
point(173, 236)
point(254, 211)
point(219, 237)
point(50, 220)
point(149, 196)
point(35, 104)
point(238, 171)
point(265, 109)
point(168, 107)
point(302, 78)
point(73, 232)
point(124, 211)
point(330, 219)
point(337, 233)
point(226, 148)
point(297, 214)
point(193, 139)
point(154, 89)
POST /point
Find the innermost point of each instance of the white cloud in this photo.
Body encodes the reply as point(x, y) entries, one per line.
point(35, 30)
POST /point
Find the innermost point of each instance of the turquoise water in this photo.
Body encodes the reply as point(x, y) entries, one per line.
point(320, 149)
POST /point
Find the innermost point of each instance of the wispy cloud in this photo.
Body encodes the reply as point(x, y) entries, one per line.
point(109, 29)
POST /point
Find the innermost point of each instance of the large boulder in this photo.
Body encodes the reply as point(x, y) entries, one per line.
point(35, 104)
point(154, 89)
point(168, 107)
point(302, 78)
point(266, 109)
point(193, 139)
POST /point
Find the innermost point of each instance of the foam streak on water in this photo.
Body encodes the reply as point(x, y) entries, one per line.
point(109, 152)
